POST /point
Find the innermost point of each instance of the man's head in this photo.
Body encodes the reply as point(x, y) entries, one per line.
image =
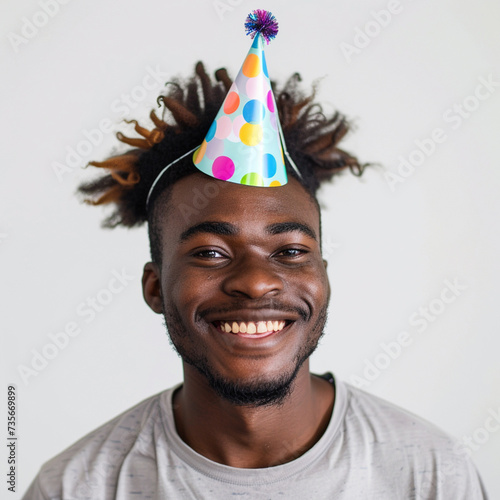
point(226, 258)
point(250, 264)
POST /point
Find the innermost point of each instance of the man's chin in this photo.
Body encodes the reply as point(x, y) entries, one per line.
point(259, 392)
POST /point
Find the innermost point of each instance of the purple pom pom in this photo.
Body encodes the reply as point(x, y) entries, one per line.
point(263, 22)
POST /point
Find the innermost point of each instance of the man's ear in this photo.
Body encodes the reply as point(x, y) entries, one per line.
point(151, 289)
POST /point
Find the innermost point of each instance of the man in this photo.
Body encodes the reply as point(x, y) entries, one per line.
point(244, 291)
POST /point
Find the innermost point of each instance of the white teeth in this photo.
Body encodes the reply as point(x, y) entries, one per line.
point(252, 327)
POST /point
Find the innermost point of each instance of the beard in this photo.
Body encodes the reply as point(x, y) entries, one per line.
point(255, 393)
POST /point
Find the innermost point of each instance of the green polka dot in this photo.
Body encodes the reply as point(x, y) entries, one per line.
point(252, 179)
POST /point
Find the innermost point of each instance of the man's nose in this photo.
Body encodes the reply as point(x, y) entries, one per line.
point(254, 278)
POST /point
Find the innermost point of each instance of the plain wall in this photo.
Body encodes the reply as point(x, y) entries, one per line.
point(394, 239)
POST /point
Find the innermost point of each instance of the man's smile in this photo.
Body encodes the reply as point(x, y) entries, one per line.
point(253, 329)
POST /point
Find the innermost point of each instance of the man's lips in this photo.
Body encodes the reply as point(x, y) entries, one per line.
point(252, 323)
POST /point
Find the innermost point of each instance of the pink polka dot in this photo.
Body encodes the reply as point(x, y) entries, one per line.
point(270, 101)
point(214, 149)
point(224, 126)
point(272, 119)
point(238, 122)
point(233, 137)
point(254, 88)
point(223, 168)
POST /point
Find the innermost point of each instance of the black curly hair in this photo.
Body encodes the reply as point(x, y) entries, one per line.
point(189, 110)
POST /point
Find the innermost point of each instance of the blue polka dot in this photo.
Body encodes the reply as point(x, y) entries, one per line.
point(211, 132)
point(269, 166)
point(254, 111)
point(264, 65)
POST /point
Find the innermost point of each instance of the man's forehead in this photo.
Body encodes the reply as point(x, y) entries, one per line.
point(199, 198)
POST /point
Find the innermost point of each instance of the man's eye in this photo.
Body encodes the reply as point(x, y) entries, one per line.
point(291, 252)
point(208, 254)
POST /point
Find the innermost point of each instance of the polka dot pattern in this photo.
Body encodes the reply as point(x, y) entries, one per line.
point(223, 168)
point(252, 179)
point(224, 127)
point(200, 153)
point(211, 132)
point(251, 135)
point(254, 111)
point(269, 164)
point(270, 101)
point(243, 144)
point(231, 103)
point(264, 65)
point(215, 148)
point(251, 66)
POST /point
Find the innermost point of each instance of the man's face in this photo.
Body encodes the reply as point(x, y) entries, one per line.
point(249, 261)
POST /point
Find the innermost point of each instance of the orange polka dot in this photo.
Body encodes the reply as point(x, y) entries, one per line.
point(200, 153)
point(275, 183)
point(251, 134)
point(231, 103)
point(251, 66)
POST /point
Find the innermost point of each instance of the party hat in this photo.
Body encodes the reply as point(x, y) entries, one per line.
point(244, 143)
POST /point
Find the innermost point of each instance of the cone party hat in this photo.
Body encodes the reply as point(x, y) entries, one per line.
point(244, 145)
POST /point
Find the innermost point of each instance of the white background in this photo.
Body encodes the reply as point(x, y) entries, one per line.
point(390, 251)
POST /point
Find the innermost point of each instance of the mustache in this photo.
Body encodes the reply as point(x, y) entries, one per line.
point(236, 306)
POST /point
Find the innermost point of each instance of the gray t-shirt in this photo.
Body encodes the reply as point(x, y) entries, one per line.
point(370, 450)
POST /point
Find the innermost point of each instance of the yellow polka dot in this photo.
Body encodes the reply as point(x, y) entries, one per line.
point(251, 134)
point(275, 183)
point(251, 66)
point(200, 153)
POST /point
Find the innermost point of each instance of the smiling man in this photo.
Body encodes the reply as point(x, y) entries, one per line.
point(238, 274)
point(245, 308)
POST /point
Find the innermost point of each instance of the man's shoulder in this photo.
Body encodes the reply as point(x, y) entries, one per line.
point(398, 437)
point(102, 450)
point(383, 418)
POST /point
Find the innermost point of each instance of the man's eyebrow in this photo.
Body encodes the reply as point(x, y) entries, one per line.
point(287, 227)
point(220, 228)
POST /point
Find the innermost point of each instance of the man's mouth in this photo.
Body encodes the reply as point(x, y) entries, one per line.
point(251, 328)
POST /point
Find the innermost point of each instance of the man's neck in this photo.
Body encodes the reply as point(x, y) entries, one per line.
point(247, 437)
